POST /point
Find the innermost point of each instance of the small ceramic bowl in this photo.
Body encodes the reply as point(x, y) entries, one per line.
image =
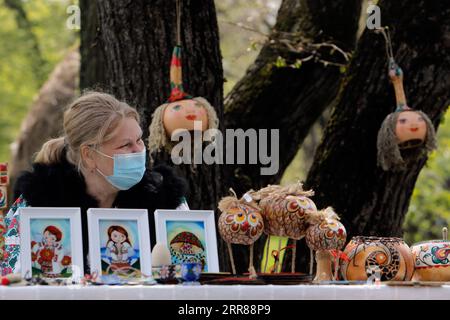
point(167, 274)
point(191, 271)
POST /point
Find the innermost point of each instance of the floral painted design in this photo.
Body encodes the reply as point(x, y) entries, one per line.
point(11, 262)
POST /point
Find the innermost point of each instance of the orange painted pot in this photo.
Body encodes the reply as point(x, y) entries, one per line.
point(389, 259)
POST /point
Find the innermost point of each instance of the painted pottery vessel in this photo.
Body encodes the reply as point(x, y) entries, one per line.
point(431, 260)
point(389, 259)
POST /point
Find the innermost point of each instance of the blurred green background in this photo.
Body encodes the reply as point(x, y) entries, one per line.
point(34, 38)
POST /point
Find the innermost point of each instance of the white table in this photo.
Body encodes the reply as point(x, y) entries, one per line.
point(234, 292)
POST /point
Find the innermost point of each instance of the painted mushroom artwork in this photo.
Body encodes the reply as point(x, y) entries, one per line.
point(187, 247)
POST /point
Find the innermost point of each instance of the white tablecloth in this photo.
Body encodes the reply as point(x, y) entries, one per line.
point(235, 292)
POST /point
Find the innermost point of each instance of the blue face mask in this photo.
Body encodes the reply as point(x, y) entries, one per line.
point(129, 168)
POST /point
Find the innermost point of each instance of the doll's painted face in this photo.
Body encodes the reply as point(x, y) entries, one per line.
point(118, 237)
point(182, 114)
point(49, 238)
point(410, 126)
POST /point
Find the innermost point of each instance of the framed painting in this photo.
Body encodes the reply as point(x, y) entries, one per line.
point(119, 242)
point(190, 236)
point(51, 244)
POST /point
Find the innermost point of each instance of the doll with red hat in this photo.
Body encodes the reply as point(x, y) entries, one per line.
point(181, 110)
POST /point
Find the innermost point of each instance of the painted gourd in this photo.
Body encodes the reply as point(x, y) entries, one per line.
point(389, 259)
point(431, 260)
point(183, 114)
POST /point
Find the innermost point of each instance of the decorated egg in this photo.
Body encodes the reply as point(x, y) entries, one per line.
point(160, 255)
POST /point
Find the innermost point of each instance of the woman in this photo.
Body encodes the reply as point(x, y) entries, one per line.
point(98, 163)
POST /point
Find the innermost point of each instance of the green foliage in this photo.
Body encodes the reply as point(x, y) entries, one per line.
point(24, 67)
point(429, 210)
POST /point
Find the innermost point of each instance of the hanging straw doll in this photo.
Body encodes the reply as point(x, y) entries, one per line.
point(405, 134)
point(181, 111)
point(240, 223)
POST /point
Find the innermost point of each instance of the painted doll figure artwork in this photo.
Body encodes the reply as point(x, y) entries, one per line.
point(119, 246)
point(187, 242)
point(51, 255)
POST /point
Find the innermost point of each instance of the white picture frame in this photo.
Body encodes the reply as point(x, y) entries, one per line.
point(49, 237)
point(200, 222)
point(104, 255)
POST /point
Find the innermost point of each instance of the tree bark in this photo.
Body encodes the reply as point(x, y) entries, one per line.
point(138, 38)
point(92, 72)
point(345, 173)
point(290, 99)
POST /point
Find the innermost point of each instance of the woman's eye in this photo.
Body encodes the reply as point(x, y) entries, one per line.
point(420, 118)
point(198, 105)
point(402, 121)
point(176, 107)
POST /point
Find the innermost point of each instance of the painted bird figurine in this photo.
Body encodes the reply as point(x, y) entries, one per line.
point(285, 210)
point(240, 223)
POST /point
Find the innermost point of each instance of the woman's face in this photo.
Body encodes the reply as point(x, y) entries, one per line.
point(117, 237)
point(127, 139)
point(49, 238)
point(182, 115)
point(410, 126)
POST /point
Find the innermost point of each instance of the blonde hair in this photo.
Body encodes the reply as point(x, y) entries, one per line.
point(89, 120)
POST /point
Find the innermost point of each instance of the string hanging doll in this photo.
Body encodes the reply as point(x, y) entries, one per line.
point(181, 110)
point(405, 134)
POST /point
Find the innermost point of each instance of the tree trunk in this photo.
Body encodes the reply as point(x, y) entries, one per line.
point(92, 72)
point(345, 173)
point(290, 99)
point(138, 38)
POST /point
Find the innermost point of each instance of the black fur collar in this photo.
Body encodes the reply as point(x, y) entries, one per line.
point(61, 185)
